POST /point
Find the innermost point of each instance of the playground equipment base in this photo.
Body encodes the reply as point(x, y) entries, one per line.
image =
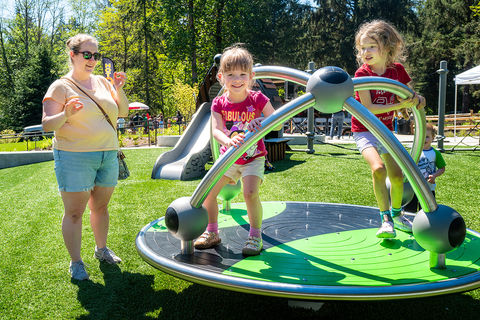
point(315, 251)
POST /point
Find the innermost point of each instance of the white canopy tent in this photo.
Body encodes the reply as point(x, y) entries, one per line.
point(471, 76)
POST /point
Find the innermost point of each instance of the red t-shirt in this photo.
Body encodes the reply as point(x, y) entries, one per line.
point(395, 72)
point(237, 116)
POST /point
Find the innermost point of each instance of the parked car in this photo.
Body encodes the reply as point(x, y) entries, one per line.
point(35, 132)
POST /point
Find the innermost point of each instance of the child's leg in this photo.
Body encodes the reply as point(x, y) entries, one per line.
point(254, 244)
point(396, 193)
point(251, 186)
point(210, 202)
point(210, 237)
point(379, 174)
point(396, 180)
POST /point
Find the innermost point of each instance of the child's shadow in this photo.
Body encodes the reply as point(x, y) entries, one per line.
point(124, 293)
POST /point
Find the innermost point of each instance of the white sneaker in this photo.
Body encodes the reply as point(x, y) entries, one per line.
point(77, 270)
point(107, 255)
point(402, 223)
point(386, 230)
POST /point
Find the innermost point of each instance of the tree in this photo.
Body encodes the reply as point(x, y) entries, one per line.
point(32, 55)
point(24, 107)
point(183, 98)
point(449, 31)
point(331, 28)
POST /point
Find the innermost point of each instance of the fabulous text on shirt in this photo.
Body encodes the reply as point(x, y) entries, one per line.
point(244, 116)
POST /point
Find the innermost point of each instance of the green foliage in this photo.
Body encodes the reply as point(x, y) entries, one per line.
point(23, 106)
point(8, 136)
point(165, 46)
point(331, 28)
point(448, 31)
point(183, 98)
point(13, 144)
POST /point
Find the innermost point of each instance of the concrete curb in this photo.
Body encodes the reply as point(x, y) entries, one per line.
point(14, 159)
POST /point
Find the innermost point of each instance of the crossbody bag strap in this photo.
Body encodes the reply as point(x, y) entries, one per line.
point(99, 107)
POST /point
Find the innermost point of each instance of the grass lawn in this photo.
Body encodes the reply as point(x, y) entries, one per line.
point(34, 278)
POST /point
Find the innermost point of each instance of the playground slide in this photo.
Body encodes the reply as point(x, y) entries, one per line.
point(188, 158)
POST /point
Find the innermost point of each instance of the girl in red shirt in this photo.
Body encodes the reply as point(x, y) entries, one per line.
point(378, 46)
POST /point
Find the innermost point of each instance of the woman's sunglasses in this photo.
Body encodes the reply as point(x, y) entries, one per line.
point(87, 55)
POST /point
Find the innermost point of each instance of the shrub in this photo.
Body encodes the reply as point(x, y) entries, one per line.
point(9, 136)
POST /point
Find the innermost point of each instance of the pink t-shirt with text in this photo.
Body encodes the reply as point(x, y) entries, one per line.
point(237, 116)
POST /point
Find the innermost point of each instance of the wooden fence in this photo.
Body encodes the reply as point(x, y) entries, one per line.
point(464, 121)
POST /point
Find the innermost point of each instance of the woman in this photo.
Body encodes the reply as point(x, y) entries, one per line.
point(85, 147)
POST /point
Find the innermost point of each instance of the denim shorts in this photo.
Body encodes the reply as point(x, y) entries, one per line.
point(254, 168)
point(82, 171)
point(366, 140)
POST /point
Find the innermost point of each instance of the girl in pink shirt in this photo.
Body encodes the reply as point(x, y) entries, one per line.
point(237, 110)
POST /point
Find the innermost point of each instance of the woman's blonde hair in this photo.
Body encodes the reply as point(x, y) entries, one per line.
point(74, 43)
point(389, 40)
point(233, 58)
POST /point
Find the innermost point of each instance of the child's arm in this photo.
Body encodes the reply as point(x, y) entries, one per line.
point(432, 177)
point(220, 136)
point(255, 124)
point(380, 108)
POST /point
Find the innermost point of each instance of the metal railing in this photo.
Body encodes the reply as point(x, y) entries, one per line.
point(30, 138)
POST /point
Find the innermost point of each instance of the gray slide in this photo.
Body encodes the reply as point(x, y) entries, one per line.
point(188, 158)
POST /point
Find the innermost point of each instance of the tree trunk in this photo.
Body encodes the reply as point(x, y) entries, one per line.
point(193, 44)
point(26, 31)
point(147, 71)
point(125, 35)
point(219, 23)
point(5, 60)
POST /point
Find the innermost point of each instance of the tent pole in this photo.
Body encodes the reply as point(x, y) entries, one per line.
point(442, 91)
point(455, 114)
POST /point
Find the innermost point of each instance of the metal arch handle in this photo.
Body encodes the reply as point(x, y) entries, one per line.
point(397, 151)
point(403, 91)
point(232, 154)
point(262, 72)
point(419, 184)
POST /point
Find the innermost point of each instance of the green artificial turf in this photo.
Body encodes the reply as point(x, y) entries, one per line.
point(34, 278)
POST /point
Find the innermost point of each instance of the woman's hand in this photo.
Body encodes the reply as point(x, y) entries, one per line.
point(236, 141)
point(72, 107)
point(119, 79)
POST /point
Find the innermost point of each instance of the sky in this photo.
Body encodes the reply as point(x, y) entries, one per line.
point(6, 8)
